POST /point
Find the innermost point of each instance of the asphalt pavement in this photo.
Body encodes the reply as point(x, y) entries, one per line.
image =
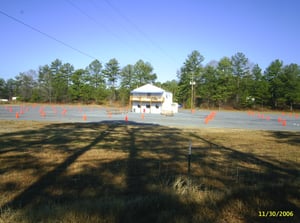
point(273, 121)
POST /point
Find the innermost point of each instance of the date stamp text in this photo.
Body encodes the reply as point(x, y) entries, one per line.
point(275, 213)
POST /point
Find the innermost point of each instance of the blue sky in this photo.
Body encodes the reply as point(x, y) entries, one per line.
point(162, 32)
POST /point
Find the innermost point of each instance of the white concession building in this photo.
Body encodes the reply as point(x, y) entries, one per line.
point(151, 99)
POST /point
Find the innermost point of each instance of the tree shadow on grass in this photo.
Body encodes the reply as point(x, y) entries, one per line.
point(115, 171)
point(98, 162)
point(256, 184)
point(292, 138)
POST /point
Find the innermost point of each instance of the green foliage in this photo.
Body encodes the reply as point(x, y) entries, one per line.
point(127, 77)
point(272, 76)
point(45, 84)
point(224, 82)
point(290, 78)
point(3, 88)
point(207, 88)
point(240, 69)
point(25, 84)
point(77, 84)
point(127, 83)
point(35, 97)
point(95, 71)
point(11, 88)
point(171, 86)
point(133, 76)
point(96, 81)
point(112, 73)
point(240, 65)
point(59, 81)
point(229, 81)
point(259, 90)
point(143, 73)
point(189, 72)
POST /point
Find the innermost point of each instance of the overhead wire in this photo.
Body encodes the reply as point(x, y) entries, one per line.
point(125, 18)
point(138, 29)
point(47, 35)
point(95, 21)
point(103, 25)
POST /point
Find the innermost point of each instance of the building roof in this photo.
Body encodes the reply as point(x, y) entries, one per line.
point(148, 88)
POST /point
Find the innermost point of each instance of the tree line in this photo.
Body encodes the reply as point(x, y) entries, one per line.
point(231, 81)
point(59, 82)
point(238, 83)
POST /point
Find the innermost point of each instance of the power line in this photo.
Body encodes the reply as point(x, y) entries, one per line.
point(47, 35)
point(118, 11)
point(102, 25)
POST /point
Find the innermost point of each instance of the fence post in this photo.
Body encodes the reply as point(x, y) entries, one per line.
point(189, 158)
point(189, 165)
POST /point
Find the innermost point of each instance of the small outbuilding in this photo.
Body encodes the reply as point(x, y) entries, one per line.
point(151, 99)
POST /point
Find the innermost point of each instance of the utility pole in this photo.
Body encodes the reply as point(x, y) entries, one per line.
point(192, 83)
point(53, 72)
point(50, 85)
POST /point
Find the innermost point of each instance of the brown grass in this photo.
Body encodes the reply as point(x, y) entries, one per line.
point(128, 172)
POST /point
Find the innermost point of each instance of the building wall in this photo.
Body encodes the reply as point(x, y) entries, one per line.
point(146, 107)
point(163, 103)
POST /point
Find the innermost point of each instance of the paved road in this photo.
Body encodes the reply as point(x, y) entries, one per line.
point(222, 119)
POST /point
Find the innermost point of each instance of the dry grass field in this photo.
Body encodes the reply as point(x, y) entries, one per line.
point(131, 172)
